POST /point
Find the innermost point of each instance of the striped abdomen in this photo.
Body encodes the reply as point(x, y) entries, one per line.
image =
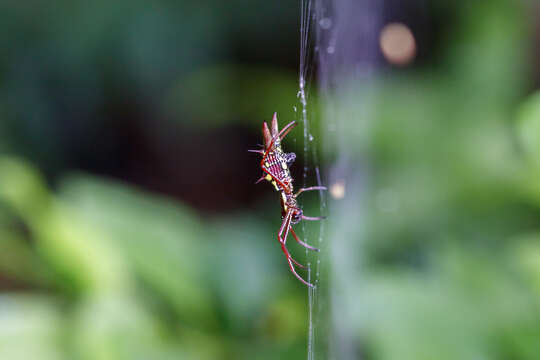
point(277, 168)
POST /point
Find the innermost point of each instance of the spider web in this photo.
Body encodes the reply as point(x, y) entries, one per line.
point(311, 169)
point(338, 40)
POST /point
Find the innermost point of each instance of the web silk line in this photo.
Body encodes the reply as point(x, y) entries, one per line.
point(306, 70)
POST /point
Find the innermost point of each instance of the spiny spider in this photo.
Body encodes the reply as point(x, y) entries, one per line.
point(275, 165)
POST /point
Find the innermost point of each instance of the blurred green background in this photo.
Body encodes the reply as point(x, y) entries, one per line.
point(130, 227)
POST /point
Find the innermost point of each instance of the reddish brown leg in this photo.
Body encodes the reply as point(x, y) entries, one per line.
point(310, 189)
point(286, 130)
point(286, 226)
point(303, 243)
point(298, 264)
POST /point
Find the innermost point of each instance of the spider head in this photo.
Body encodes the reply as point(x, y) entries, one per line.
point(297, 216)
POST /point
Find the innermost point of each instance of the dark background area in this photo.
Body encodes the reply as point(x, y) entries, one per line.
point(105, 88)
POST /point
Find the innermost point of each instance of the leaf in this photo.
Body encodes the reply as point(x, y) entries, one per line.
point(159, 238)
point(528, 122)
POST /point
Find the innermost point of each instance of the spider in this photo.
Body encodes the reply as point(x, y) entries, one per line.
point(275, 165)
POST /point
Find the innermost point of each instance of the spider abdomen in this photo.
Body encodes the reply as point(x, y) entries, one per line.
point(276, 165)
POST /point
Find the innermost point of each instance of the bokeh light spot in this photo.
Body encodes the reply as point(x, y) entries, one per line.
point(397, 44)
point(337, 189)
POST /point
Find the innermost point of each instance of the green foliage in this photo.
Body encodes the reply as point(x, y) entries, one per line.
point(139, 275)
point(449, 244)
point(528, 124)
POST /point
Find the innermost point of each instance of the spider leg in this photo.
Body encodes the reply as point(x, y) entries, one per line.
point(286, 226)
point(286, 129)
point(261, 179)
point(298, 264)
point(286, 223)
point(311, 218)
point(281, 134)
point(257, 151)
point(309, 189)
point(303, 243)
point(291, 266)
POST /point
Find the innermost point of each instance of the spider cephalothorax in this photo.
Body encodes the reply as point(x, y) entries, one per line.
point(275, 165)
